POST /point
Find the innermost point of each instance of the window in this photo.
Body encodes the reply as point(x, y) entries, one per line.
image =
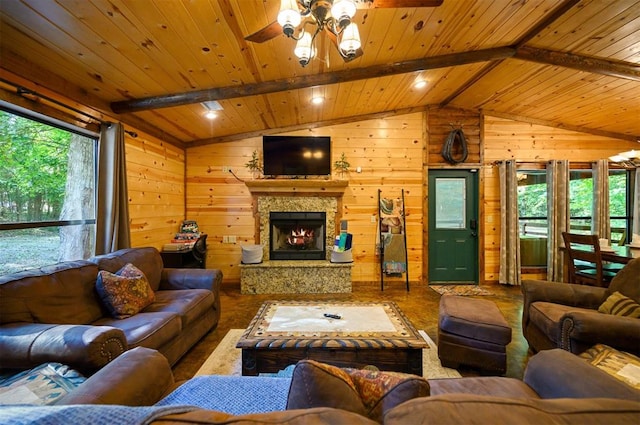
point(580, 201)
point(620, 205)
point(47, 192)
point(532, 208)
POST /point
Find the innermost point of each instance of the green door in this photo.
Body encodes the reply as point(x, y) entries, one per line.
point(453, 226)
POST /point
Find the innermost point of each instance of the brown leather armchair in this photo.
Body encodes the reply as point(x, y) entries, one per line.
point(562, 315)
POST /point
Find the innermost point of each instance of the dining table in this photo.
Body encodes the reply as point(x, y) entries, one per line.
point(620, 253)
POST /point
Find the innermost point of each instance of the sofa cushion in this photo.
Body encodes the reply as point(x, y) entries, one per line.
point(62, 293)
point(366, 392)
point(189, 304)
point(147, 259)
point(620, 305)
point(496, 386)
point(124, 293)
point(151, 330)
point(627, 281)
point(547, 317)
point(463, 408)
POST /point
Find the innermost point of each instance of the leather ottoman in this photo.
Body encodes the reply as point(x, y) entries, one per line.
point(472, 332)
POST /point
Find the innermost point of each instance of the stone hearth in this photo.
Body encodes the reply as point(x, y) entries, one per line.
point(295, 276)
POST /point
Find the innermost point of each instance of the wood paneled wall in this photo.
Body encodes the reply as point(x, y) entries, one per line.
point(155, 174)
point(393, 154)
point(390, 152)
point(505, 139)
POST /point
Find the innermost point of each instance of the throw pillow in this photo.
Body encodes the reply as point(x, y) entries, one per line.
point(619, 364)
point(620, 305)
point(367, 392)
point(44, 384)
point(124, 293)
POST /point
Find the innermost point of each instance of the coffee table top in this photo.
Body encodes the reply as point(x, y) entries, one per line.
point(303, 324)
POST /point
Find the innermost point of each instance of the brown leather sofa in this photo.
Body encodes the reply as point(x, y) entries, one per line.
point(563, 315)
point(558, 387)
point(54, 314)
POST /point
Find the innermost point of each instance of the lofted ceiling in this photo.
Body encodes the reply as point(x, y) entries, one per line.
point(150, 63)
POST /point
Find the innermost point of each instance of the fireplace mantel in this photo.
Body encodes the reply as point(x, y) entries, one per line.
point(293, 187)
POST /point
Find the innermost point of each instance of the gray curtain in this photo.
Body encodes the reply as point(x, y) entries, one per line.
point(558, 217)
point(112, 220)
point(509, 231)
point(601, 225)
point(635, 228)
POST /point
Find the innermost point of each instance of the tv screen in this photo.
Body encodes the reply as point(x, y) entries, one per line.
point(296, 155)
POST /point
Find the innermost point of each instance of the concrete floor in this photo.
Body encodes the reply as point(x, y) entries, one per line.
point(420, 305)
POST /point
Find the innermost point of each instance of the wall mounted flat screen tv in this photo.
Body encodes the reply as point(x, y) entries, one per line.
point(296, 156)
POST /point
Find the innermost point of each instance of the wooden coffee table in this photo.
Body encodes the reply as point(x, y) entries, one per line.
point(284, 332)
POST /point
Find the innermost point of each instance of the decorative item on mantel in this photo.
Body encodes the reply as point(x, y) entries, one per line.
point(342, 165)
point(254, 164)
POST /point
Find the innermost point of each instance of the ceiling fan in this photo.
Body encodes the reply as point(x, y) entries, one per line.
point(334, 17)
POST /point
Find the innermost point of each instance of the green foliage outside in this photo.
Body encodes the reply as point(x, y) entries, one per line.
point(33, 169)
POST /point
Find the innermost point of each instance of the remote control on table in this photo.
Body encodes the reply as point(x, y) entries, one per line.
point(332, 316)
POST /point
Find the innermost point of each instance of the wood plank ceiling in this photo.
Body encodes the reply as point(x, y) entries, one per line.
point(572, 64)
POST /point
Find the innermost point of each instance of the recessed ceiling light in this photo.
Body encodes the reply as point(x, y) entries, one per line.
point(210, 115)
point(420, 84)
point(317, 100)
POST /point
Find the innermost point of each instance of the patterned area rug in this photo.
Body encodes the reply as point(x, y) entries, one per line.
point(460, 290)
point(226, 359)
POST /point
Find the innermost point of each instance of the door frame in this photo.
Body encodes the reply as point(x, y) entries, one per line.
point(478, 182)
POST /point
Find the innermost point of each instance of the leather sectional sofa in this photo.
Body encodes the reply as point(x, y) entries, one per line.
point(558, 387)
point(54, 314)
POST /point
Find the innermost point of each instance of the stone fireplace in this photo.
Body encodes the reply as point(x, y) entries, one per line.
point(302, 264)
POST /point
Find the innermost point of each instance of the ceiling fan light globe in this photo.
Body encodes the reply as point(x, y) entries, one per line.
point(289, 15)
point(343, 11)
point(350, 41)
point(304, 48)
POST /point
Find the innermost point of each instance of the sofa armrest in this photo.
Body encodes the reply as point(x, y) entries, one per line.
point(622, 332)
point(139, 377)
point(559, 293)
point(210, 279)
point(559, 374)
point(84, 347)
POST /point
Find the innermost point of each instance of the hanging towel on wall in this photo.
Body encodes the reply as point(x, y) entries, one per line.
point(395, 257)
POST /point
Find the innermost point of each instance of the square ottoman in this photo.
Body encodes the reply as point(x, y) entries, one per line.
point(472, 332)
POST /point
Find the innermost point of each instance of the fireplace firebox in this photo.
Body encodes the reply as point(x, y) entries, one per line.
point(297, 235)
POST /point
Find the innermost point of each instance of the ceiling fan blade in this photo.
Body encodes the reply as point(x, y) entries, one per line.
point(386, 4)
point(265, 34)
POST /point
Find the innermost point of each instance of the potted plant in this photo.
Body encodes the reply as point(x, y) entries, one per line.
point(254, 164)
point(342, 165)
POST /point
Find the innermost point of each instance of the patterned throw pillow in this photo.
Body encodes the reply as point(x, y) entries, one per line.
point(619, 364)
point(44, 384)
point(620, 305)
point(126, 292)
point(367, 392)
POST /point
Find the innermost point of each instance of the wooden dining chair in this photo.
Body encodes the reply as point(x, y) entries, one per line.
point(585, 260)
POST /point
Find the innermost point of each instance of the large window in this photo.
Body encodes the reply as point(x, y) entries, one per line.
point(47, 192)
point(532, 209)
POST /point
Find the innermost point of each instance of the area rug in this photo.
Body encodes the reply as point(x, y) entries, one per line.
point(226, 359)
point(460, 290)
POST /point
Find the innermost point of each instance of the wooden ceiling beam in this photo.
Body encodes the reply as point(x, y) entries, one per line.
point(305, 81)
point(592, 65)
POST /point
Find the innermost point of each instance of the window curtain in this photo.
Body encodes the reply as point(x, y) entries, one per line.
point(558, 217)
point(112, 220)
point(509, 233)
point(601, 224)
point(635, 226)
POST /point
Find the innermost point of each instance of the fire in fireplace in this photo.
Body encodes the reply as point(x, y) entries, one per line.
point(297, 236)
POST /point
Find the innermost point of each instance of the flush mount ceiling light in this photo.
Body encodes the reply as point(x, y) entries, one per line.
point(420, 84)
point(303, 20)
point(211, 107)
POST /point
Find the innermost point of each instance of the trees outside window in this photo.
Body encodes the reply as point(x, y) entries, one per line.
point(47, 193)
